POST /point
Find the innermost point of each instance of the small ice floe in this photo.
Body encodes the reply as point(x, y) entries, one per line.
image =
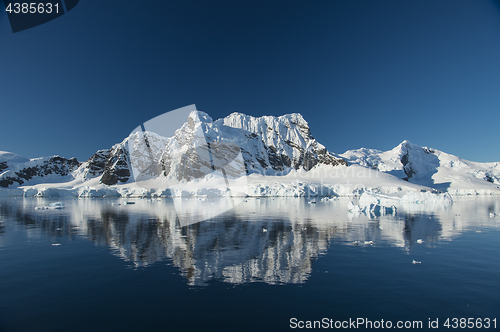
point(264, 230)
point(416, 262)
point(52, 206)
point(420, 241)
point(492, 214)
point(369, 242)
point(56, 205)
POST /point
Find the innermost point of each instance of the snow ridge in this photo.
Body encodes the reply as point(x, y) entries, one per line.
point(16, 170)
point(429, 167)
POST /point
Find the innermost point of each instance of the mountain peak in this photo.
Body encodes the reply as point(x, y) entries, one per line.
point(406, 143)
point(199, 116)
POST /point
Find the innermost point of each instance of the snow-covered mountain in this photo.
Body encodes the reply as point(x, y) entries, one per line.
point(428, 167)
point(17, 170)
point(268, 145)
point(243, 155)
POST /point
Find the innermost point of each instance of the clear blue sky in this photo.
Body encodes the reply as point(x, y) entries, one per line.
point(363, 73)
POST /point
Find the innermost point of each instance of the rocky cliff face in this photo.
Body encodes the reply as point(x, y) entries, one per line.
point(278, 143)
point(111, 165)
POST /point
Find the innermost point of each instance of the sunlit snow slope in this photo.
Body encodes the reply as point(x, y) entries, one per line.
point(430, 167)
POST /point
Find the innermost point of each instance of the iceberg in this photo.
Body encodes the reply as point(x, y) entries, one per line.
point(372, 203)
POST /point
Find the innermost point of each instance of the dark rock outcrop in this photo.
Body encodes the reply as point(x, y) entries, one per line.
point(112, 164)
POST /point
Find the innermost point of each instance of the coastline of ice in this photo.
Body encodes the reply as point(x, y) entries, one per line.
point(323, 181)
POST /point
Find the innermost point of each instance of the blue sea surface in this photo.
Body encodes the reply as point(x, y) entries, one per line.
point(269, 264)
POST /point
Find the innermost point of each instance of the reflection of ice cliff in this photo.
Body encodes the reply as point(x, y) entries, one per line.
point(268, 240)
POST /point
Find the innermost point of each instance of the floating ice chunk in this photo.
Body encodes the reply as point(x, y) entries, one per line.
point(368, 199)
point(52, 206)
point(56, 205)
point(371, 207)
point(370, 203)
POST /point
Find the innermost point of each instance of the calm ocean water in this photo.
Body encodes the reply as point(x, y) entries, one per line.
point(268, 265)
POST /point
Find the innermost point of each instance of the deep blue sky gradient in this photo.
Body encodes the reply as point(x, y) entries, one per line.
point(362, 73)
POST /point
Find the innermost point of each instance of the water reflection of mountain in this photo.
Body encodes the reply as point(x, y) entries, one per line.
point(268, 240)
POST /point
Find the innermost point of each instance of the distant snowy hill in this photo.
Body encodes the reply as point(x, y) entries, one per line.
point(16, 170)
point(11, 157)
point(429, 167)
